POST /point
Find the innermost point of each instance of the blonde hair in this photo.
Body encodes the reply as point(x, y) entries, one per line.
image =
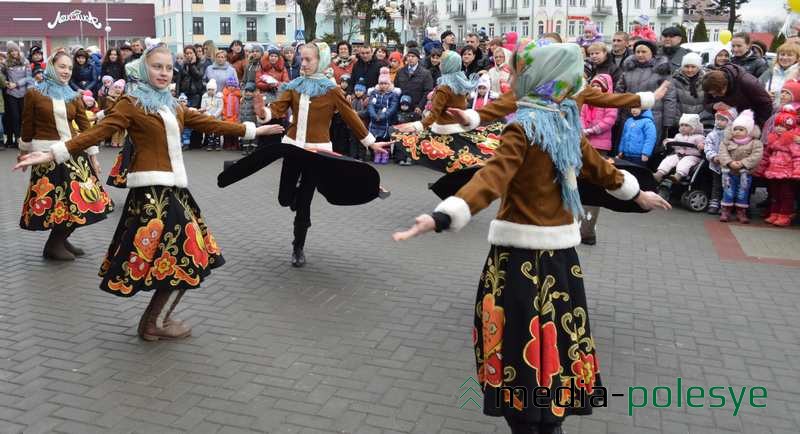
point(789, 48)
point(597, 46)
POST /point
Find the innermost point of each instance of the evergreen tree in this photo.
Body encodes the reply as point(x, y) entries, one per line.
point(700, 32)
point(777, 41)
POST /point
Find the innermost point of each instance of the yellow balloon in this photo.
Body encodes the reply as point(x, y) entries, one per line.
point(794, 5)
point(725, 36)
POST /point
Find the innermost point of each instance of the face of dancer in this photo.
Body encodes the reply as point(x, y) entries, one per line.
point(159, 68)
point(63, 66)
point(309, 60)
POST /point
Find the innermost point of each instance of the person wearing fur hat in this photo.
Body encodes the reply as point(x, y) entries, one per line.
point(211, 105)
point(683, 158)
point(722, 120)
point(590, 35)
point(781, 166)
point(383, 105)
point(739, 154)
point(161, 243)
point(17, 72)
point(641, 29)
point(60, 198)
point(524, 336)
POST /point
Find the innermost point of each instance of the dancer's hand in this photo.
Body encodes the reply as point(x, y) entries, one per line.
point(95, 164)
point(380, 147)
point(19, 158)
point(33, 159)
point(648, 200)
point(661, 92)
point(269, 130)
point(460, 115)
point(407, 128)
point(423, 223)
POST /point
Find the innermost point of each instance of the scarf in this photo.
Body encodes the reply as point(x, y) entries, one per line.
point(317, 83)
point(52, 87)
point(548, 76)
point(150, 99)
point(452, 75)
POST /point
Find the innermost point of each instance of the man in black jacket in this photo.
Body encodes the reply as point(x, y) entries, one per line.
point(671, 40)
point(619, 48)
point(481, 58)
point(367, 67)
point(414, 80)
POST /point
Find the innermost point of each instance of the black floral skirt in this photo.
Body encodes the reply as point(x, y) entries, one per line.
point(118, 176)
point(532, 330)
point(161, 241)
point(65, 195)
point(451, 152)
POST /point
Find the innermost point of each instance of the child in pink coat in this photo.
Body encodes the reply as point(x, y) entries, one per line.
point(781, 166)
point(598, 121)
point(683, 158)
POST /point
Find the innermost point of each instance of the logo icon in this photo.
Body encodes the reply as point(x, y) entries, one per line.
point(469, 394)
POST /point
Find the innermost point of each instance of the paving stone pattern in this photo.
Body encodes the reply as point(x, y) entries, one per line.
point(372, 336)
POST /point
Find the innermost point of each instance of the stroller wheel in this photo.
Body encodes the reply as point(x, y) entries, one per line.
point(664, 192)
point(696, 200)
point(685, 199)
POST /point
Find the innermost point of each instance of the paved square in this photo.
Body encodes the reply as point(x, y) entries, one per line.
point(374, 336)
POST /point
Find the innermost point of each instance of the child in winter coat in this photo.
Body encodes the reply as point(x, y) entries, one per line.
point(211, 104)
point(598, 121)
point(105, 87)
point(683, 158)
point(251, 109)
point(383, 105)
point(721, 121)
point(186, 134)
point(642, 30)
point(638, 137)
point(739, 154)
point(405, 115)
point(360, 103)
point(482, 95)
point(114, 93)
point(781, 167)
point(231, 97)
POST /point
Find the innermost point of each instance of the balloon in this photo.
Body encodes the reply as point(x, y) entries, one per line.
point(725, 36)
point(794, 5)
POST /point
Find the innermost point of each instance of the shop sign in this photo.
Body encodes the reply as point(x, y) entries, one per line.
point(75, 15)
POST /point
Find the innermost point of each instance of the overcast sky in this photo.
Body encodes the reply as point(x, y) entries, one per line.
point(758, 10)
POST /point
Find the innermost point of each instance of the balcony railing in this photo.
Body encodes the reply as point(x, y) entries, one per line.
point(253, 7)
point(505, 11)
point(602, 11)
point(458, 14)
point(665, 12)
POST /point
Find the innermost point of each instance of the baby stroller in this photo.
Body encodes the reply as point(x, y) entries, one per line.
point(693, 190)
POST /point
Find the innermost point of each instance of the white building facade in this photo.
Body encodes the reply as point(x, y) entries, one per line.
point(532, 18)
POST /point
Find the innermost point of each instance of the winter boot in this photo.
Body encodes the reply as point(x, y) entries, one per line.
point(75, 250)
point(782, 220)
point(741, 215)
point(55, 248)
point(153, 325)
point(588, 233)
point(725, 215)
point(298, 255)
point(713, 207)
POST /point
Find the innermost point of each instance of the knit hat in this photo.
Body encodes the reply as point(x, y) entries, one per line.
point(432, 32)
point(35, 49)
point(590, 27)
point(37, 69)
point(413, 51)
point(119, 85)
point(88, 98)
point(212, 85)
point(108, 80)
point(642, 19)
point(231, 81)
point(693, 120)
point(745, 120)
point(384, 76)
point(793, 88)
point(249, 46)
point(274, 50)
point(730, 115)
point(11, 45)
point(183, 98)
point(786, 118)
point(670, 32)
point(484, 81)
point(648, 44)
point(344, 77)
point(258, 48)
point(405, 100)
point(601, 79)
point(692, 59)
point(250, 87)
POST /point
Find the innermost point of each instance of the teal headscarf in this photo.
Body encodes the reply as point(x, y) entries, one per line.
point(452, 75)
point(548, 75)
point(150, 99)
point(317, 83)
point(52, 87)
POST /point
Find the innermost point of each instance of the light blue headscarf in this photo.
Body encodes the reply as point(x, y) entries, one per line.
point(452, 75)
point(52, 87)
point(548, 75)
point(317, 83)
point(150, 99)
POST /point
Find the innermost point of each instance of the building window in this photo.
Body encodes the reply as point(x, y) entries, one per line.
point(224, 2)
point(448, 6)
point(164, 27)
point(526, 4)
point(280, 26)
point(571, 28)
point(600, 27)
point(514, 28)
point(525, 28)
point(491, 30)
point(280, 2)
point(197, 2)
point(252, 29)
point(474, 5)
point(491, 4)
point(558, 3)
point(583, 3)
point(460, 32)
point(653, 4)
point(540, 28)
point(197, 26)
point(474, 28)
point(580, 27)
point(169, 25)
point(572, 3)
point(542, 3)
point(502, 29)
point(558, 27)
point(637, 4)
point(224, 25)
point(716, 34)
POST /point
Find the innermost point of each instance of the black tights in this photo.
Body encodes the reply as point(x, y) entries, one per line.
point(296, 190)
point(519, 426)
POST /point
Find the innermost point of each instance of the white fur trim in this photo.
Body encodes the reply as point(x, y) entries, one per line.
point(249, 131)
point(505, 233)
point(457, 209)
point(302, 118)
point(173, 132)
point(418, 126)
point(62, 123)
point(41, 145)
point(151, 177)
point(268, 116)
point(474, 119)
point(92, 150)
point(448, 128)
point(60, 152)
point(328, 146)
point(628, 189)
point(100, 115)
point(369, 140)
point(646, 100)
point(25, 146)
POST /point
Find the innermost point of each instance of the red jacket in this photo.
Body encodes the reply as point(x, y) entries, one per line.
point(230, 103)
point(277, 71)
point(781, 156)
point(644, 32)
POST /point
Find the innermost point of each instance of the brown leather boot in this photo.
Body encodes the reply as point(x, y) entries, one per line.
point(55, 248)
point(725, 215)
point(167, 319)
point(75, 250)
point(153, 326)
point(741, 215)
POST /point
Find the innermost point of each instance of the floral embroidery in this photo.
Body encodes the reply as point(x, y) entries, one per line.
point(194, 246)
point(88, 196)
point(164, 266)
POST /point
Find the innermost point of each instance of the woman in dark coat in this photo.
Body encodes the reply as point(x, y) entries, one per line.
point(469, 62)
point(83, 77)
point(190, 83)
point(732, 86)
point(688, 84)
point(113, 65)
point(599, 62)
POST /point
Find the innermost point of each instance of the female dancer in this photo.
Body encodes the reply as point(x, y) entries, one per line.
point(531, 323)
point(313, 99)
point(60, 197)
point(161, 242)
point(449, 146)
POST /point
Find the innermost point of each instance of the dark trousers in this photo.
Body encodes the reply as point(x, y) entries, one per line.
point(13, 118)
point(296, 191)
point(716, 188)
point(518, 426)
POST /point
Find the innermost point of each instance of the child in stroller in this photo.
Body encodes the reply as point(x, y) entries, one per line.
point(692, 178)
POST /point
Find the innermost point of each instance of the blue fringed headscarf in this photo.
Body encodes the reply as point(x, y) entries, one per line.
point(52, 87)
point(317, 83)
point(452, 75)
point(150, 99)
point(547, 76)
